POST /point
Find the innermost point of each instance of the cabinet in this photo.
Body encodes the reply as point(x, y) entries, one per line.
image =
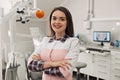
point(97, 65)
point(87, 58)
point(102, 66)
point(115, 65)
point(105, 66)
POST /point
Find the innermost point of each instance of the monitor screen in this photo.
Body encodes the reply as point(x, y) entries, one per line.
point(101, 36)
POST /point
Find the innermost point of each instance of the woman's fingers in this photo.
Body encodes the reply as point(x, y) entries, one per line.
point(65, 64)
point(36, 57)
point(63, 67)
point(68, 63)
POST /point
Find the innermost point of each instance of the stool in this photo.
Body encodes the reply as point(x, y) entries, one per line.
point(78, 66)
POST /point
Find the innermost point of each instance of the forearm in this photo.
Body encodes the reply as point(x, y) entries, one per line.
point(39, 65)
point(54, 71)
point(36, 65)
point(47, 64)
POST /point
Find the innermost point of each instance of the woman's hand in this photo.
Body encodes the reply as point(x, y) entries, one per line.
point(63, 63)
point(36, 57)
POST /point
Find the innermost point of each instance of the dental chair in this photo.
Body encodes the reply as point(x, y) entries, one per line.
point(79, 65)
point(32, 75)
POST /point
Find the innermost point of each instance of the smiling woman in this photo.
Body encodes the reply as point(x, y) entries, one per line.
point(56, 55)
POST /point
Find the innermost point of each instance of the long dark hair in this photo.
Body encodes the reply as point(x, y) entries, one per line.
point(69, 29)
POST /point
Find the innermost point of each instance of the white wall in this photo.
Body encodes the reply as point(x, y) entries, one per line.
point(103, 9)
point(6, 8)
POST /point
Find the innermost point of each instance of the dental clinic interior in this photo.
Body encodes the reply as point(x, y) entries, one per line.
point(22, 29)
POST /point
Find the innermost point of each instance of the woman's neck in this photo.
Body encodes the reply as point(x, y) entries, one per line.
point(58, 36)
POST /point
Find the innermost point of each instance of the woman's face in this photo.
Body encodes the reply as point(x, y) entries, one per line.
point(58, 22)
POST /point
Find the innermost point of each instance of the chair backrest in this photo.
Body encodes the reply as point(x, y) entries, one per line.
point(36, 75)
point(32, 75)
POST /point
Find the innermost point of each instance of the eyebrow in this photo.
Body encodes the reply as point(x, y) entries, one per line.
point(60, 17)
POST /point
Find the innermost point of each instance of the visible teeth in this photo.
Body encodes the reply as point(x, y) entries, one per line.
point(57, 26)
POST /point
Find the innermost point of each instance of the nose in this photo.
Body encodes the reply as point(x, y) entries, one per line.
point(57, 21)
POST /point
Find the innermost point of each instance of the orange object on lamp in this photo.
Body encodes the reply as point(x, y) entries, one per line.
point(39, 13)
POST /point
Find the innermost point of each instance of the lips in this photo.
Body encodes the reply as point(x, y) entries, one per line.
point(57, 27)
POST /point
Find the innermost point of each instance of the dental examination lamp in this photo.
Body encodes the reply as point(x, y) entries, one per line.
point(26, 14)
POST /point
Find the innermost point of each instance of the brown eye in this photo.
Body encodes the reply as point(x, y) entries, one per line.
point(54, 18)
point(62, 19)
